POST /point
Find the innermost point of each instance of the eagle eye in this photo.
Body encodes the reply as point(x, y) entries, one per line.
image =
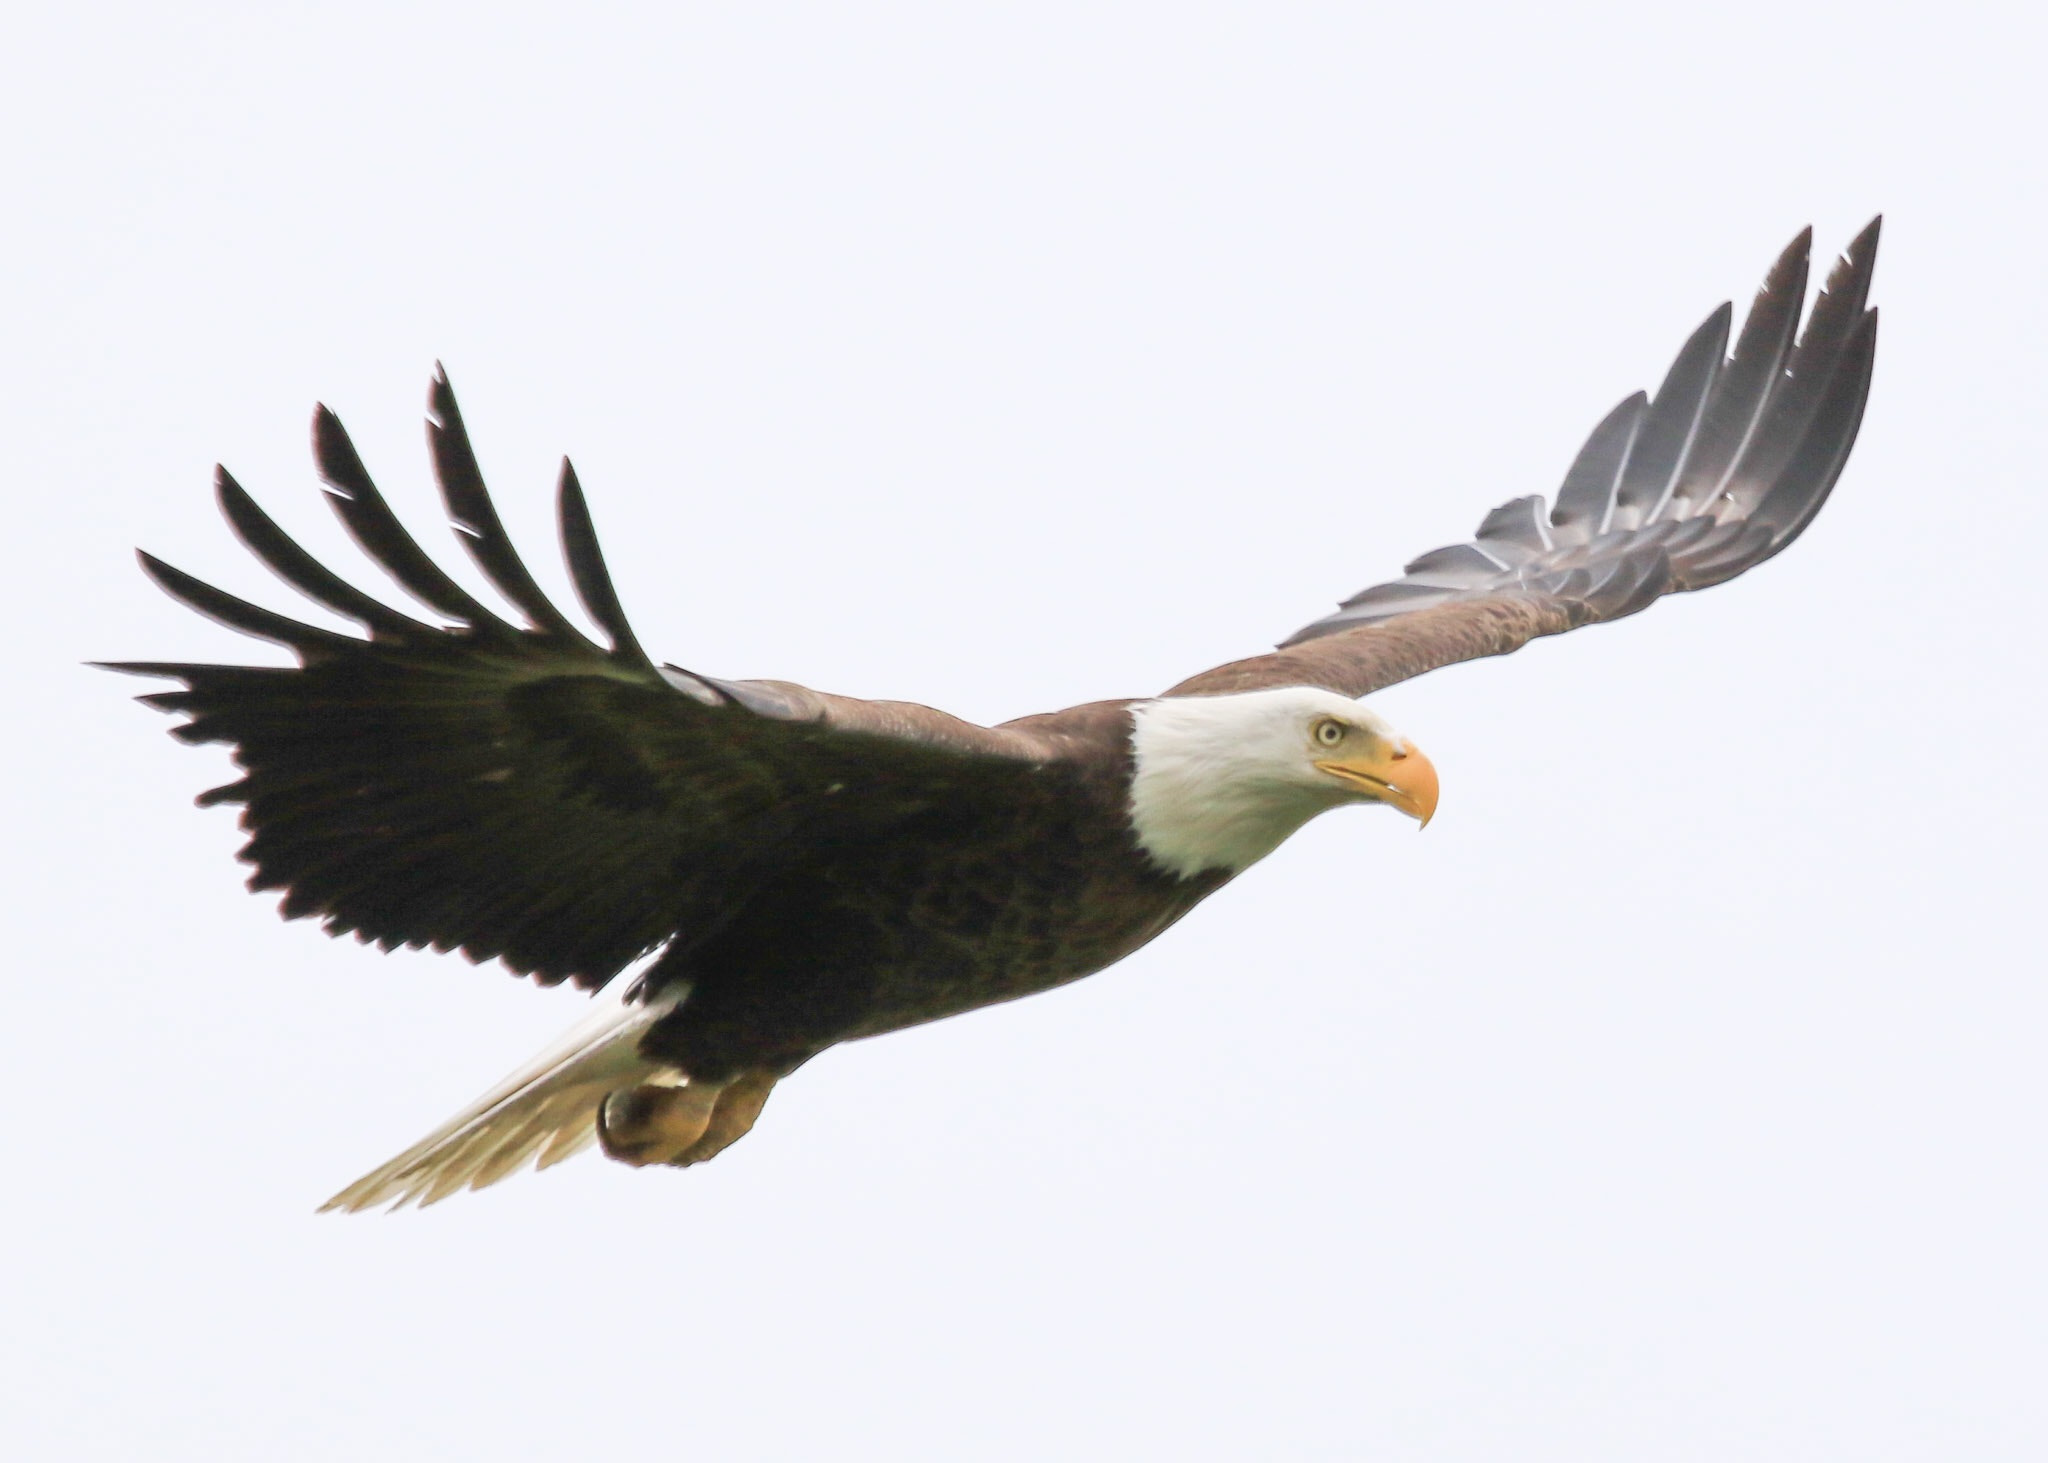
point(1329, 732)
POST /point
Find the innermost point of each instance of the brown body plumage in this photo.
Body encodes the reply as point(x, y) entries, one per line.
point(805, 868)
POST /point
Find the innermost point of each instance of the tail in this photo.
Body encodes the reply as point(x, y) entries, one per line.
point(549, 1106)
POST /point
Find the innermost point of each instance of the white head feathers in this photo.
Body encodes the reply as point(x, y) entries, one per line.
point(1221, 781)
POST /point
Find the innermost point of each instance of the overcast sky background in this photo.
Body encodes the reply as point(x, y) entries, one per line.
point(1679, 1094)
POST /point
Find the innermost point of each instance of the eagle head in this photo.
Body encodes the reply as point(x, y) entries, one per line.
point(1219, 782)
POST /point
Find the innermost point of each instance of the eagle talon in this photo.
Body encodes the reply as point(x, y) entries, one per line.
point(650, 1124)
point(732, 1116)
point(679, 1126)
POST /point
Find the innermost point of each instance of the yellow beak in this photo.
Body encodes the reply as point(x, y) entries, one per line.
point(1398, 775)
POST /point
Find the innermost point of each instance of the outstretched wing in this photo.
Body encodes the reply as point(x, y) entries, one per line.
point(520, 791)
point(1723, 468)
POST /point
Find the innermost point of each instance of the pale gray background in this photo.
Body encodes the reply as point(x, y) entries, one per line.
point(1680, 1094)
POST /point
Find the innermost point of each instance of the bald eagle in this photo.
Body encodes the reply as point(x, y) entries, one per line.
point(754, 871)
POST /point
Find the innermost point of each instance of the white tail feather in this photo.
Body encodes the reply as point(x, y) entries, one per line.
point(549, 1107)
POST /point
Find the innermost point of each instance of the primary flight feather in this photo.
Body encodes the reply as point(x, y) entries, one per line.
point(784, 869)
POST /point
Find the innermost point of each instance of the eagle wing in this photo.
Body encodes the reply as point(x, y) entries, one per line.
point(1725, 466)
point(521, 791)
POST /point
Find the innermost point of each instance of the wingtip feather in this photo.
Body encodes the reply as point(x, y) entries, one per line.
point(1727, 464)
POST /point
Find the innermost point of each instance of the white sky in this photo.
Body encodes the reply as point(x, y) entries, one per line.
point(1679, 1095)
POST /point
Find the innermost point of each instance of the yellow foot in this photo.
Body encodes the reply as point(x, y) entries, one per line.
point(732, 1117)
point(643, 1125)
point(681, 1125)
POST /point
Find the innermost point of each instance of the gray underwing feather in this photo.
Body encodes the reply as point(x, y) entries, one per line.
point(1588, 490)
point(1670, 426)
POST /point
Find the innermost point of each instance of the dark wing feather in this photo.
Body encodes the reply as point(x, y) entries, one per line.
point(476, 516)
point(1723, 468)
point(377, 531)
point(587, 570)
point(525, 793)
